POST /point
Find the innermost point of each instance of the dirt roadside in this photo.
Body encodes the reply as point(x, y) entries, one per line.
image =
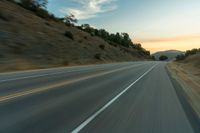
point(189, 79)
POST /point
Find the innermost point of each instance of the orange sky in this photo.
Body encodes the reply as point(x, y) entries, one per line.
point(176, 43)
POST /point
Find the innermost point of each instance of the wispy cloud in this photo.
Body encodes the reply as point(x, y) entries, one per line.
point(90, 8)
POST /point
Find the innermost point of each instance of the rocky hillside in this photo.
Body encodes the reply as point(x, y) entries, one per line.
point(30, 42)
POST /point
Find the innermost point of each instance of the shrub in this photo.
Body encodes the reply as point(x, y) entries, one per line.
point(192, 52)
point(69, 35)
point(102, 46)
point(163, 58)
point(85, 37)
point(180, 57)
point(54, 18)
point(97, 56)
point(42, 13)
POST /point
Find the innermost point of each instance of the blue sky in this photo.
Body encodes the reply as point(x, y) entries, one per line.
point(145, 20)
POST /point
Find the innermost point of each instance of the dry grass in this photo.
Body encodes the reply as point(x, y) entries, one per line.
point(29, 42)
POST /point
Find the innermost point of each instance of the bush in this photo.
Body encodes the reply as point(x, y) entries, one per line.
point(69, 35)
point(180, 57)
point(85, 37)
point(42, 13)
point(97, 56)
point(54, 18)
point(102, 46)
point(163, 58)
point(192, 52)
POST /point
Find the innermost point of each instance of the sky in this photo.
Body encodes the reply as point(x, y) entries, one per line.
point(157, 24)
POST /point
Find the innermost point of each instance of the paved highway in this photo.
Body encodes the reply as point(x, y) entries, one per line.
point(130, 97)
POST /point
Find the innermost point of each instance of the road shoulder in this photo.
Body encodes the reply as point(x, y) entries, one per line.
point(187, 93)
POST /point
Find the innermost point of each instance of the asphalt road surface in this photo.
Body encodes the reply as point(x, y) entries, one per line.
point(131, 97)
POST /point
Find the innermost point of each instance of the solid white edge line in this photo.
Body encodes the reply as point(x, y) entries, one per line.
point(87, 121)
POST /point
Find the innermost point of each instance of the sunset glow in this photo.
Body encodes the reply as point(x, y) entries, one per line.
point(181, 43)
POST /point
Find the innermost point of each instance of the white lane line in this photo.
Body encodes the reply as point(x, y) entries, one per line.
point(86, 122)
point(43, 75)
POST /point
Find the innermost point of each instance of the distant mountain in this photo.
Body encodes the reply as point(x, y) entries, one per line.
point(171, 54)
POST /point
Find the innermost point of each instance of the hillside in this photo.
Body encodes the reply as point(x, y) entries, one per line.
point(193, 60)
point(30, 42)
point(171, 54)
point(191, 64)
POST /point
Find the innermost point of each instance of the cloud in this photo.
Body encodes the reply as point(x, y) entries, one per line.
point(90, 8)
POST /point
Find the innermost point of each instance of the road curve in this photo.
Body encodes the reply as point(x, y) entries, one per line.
point(135, 97)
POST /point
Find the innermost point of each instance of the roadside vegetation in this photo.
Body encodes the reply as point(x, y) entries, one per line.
point(163, 58)
point(118, 39)
point(32, 38)
point(187, 54)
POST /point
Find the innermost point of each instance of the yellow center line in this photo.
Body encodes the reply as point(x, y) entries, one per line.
point(54, 86)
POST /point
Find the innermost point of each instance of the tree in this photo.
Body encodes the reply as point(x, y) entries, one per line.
point(104, 34)
point(163, 58)
point(27, 3)
point(192, 52)
point(117, 38)
point(41, 3)
point(70, 19)
point(87, 28)
point(126, 40)
point(34, 4)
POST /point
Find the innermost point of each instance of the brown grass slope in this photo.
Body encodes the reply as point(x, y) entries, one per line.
point(29, 42)
point(193, 60)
